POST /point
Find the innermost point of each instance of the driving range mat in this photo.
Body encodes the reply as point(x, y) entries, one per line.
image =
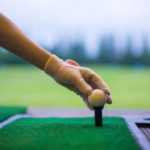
point(6, 112)
point(67, 133)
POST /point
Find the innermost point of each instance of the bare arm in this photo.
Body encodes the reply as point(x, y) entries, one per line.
point(14, 40)
point(75, 78)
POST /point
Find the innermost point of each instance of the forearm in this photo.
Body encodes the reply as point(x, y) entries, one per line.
point(14, 40)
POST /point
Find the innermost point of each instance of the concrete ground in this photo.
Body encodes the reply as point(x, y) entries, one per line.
point(76, 112)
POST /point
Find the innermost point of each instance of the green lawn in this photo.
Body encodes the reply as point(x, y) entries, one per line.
point(28, 86)
point(67, 134)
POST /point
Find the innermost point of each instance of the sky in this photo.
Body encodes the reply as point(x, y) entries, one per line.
point(51, 21)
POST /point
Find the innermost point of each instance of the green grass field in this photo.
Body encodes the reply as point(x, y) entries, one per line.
point(67, 134)
point(28, 86)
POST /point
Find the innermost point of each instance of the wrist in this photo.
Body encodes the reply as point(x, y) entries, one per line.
point(52, 65)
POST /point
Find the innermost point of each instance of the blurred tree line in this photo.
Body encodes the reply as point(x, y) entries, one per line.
point(107, 53)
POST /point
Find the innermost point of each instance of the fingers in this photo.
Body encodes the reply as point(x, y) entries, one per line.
point(100, 83)
point(70, 87)
point(85, 98)
point(91, 77)
point(109, 100)
point(89, 105)
point(72, 62)
point(82, 86)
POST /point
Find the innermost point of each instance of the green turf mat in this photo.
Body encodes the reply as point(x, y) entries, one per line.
point(6, 112)
point(67, 134)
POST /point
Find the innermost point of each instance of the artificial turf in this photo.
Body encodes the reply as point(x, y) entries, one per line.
point(6, 112)
point(67, 134)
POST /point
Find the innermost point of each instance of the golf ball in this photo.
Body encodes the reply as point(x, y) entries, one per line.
point(97, 98)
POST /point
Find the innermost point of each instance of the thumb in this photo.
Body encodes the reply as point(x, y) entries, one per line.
point(83, 87)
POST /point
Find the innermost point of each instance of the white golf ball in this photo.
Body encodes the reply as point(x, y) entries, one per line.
point(97, 98)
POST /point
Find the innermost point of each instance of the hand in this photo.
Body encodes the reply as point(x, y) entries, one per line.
point(79, 79)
